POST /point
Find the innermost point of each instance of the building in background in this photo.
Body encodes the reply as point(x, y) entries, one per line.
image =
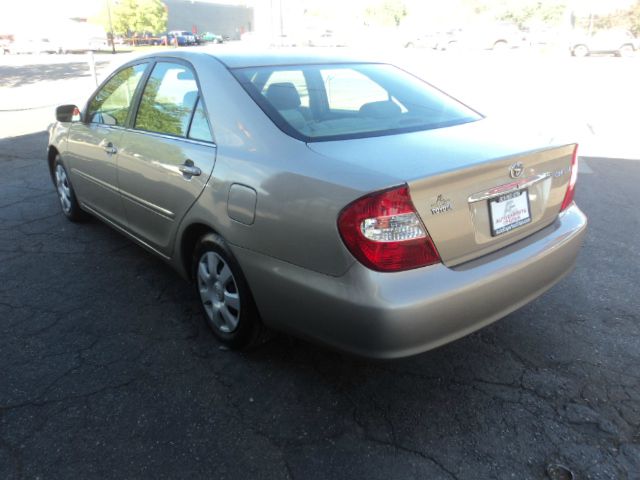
point(200, 17)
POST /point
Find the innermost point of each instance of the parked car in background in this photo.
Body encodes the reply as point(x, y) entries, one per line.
point(500, 36)
point(336, 198)
point(32, 46)
point(427, 40)
point(70, 44)
point(178, 38)
point(170, 38)
point(327, 38)
point(78, 37)
point(189, 38)
point(608, 42)
point(208, 37)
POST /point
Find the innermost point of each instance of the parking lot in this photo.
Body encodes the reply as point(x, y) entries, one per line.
point(108, 370)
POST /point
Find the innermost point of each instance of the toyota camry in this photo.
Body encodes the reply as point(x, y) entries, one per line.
point(338, 199)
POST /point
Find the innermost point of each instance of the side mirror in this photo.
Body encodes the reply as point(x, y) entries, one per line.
point(68, 113)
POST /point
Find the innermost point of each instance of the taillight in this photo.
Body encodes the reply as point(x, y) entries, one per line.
point(571, 189)
point(384, 232)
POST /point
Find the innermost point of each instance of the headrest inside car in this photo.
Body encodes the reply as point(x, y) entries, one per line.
point(383, 109)
point(283, 96)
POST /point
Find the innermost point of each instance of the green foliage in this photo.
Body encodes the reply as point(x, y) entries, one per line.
point(552, 12)
point(628, 19)
point(386, 13)
point(521, 12)
point(633, 19)
point(160, 117)
point(135, 16)
point(548, 12)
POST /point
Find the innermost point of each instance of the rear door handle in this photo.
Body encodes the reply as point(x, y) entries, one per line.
point(108, 147)
point(188, 169)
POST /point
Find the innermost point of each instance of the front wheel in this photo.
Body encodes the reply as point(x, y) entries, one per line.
point(225, 298)
point(500, 46)
point(66, 195)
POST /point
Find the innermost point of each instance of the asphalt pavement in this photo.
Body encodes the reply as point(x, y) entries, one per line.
point(108, 371)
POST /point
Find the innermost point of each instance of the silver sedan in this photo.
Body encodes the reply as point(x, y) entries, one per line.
point(342, 200)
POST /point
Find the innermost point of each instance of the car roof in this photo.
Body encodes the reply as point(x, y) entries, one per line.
point(249, 57)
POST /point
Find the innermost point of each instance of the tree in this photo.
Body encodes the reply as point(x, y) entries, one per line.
point(628, 19)
point(633, 19)
point(522, 12)
point(387, 13)
point(136, 16)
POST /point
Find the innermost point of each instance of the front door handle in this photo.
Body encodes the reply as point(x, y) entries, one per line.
point(188, 169)
point(108, 147)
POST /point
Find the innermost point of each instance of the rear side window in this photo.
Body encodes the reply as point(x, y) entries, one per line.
point(349, 100)
point(199, 129)
point(111, 104)
point(168, 100)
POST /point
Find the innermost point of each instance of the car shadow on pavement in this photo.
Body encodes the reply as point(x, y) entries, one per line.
point(28, 147)
point(17, 76)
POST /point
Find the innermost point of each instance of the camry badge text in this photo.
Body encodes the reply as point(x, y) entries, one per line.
point(441, 205)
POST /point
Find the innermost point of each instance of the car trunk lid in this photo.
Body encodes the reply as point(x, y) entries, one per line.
point(478, 187)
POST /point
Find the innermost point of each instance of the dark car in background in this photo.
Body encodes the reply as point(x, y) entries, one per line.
point(180, 38)
point(189, 38)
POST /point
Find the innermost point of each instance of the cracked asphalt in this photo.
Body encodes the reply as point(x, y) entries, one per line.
point(108, 371)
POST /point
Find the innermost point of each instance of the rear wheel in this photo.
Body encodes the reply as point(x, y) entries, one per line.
point(626, 51)
point(580, 51)
point(66, 195)
point(225, 298)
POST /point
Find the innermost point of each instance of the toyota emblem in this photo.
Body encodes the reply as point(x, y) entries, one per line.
point(516, 170)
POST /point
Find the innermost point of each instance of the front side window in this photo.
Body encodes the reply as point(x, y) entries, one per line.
point(168, 100)
point(349, 100)
point(110, 106)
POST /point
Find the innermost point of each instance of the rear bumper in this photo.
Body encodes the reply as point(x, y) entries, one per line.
point(387, 315)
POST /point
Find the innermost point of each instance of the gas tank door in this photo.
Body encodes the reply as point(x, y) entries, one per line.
point(241, 204)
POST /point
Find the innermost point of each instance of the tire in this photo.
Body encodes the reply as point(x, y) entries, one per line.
point(66, 195)
point(580, 51)
point(626, 51)
point(500, 46)
point(225, 298)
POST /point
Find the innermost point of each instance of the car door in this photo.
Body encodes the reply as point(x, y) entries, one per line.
point(166, 158)
point(93, 144)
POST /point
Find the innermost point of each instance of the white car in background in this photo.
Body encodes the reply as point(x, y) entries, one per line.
point(30, 46)
point(608, 42)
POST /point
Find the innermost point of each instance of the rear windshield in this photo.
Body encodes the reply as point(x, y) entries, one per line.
point(341, 101)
